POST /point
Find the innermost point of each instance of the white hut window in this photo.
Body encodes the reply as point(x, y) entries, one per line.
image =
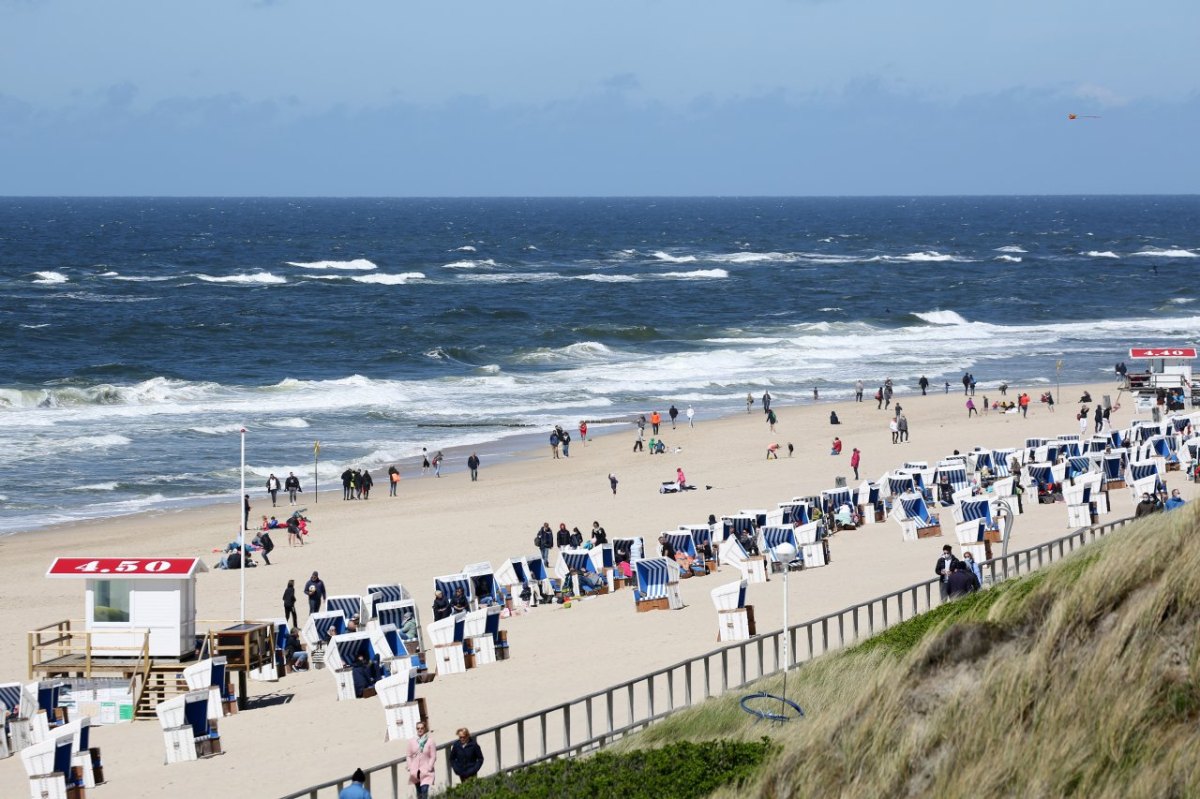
point(112, 601)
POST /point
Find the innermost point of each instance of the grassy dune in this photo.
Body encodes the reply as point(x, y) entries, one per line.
point(1080, 680)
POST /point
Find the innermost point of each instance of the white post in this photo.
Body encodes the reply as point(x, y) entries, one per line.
point(785, 553)
point(242, 527)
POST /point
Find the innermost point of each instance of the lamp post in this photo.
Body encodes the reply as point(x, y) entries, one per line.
point(785, 552)
point(242, 528)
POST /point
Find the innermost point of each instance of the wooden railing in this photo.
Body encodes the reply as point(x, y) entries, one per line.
point(58, 640)
point(597, 719)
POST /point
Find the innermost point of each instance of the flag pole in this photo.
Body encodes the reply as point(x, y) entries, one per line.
point(242, 528)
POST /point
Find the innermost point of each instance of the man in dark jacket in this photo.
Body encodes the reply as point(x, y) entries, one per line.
point(473, 465)
point(943, 569)
point(347, 483)
point(466, 758)
point(962, 581)
point(314, 589)
point(292, 484)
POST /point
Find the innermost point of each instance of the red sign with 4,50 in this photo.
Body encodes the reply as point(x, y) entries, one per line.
point(143, 567)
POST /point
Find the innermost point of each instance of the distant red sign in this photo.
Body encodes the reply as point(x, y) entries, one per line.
point(1162, 352)
point(125, 567)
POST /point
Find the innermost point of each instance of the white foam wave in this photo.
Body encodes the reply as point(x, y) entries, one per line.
point(611, 278)
point(579, 351)
point(1176, 253)
point(112, 486)
point(294, 422)
point(941, 318)
point(108, 274)
point(258, 278)
point(465, 248)
point(389, 280)
point(829, 310)
point(928, 256)
point(487, 263)
point(511, 277)
point(1181, 300)
point(217, 430)
point(1011, 248)
point(1012, 259)
point(358, 264)
point(752, 257)
point(1101, 254)
point(36, 327)
point(699, 274)
point(673, 259)
point(50, 278)
point(139, 278)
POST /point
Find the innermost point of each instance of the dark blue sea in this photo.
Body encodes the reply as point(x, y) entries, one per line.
point(140, 335)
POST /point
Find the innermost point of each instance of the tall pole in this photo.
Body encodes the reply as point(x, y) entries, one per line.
point(316, 456)
point(785, 553)
point(242, 528)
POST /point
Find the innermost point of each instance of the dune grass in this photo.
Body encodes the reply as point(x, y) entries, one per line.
point(1082, 679)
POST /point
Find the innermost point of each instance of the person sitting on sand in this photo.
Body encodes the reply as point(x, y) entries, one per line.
point(833, 419)
point(836, 449)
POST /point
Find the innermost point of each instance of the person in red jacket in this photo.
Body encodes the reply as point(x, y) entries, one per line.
point(855, 457)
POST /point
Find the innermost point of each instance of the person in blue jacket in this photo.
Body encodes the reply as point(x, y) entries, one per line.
point(357, 788)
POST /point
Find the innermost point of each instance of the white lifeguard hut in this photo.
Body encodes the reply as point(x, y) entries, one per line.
point(126, 598)
point(1166, 381)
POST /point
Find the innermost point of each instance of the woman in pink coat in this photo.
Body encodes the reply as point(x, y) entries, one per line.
point(422, 760)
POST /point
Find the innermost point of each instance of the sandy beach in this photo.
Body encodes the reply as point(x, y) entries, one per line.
point(436, 525)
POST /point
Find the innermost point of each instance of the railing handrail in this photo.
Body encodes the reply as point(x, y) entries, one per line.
point(995, 566)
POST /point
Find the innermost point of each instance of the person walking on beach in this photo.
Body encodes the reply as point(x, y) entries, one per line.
point(966, 381)
point(902, 428)
point(289, 603)
point(565, 438)
point(673, 412)
point(749, 401)
point(691, 416)
point(357, 788)
point(263, 539)
point(314, 589)
point(422, 761)
point(1099, 419)
point(924, 384)
point(858, 391)
point(638, 443)
point(1023, 401)
point(563, 537)
point(655, 421)
point(292, 484)
point(466, 758)
point(366, 482)
point(544, 539)
point(424, 461)
point(473, 465)
point(583, 432)
point(393, 480)
point(894, 427)
point(766, 401)
point(245, 511)
point(347, 484)
point(554, 441)
point(855, 459)
point(879, 399)
point(612, 481)
point(273, 487)
point(293, 529)
point(771, 419)
point(438, 457)
point(887, 393)
point(971, 408)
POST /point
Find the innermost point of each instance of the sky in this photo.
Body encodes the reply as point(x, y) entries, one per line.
point(614, 98)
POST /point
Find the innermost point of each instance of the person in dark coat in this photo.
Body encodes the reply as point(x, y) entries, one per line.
point(473, 465)
point(943, 569)
point(441, 606)
point(466, 758)
point(347, 483)
point(315, 590)
point(962, 581)
point(563, 536)
point(264, 541)
point(459, 602)
point(289, 603)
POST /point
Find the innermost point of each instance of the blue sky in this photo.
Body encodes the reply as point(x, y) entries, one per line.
point(623, 97)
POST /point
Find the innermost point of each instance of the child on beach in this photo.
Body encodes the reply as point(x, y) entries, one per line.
point(836, 449)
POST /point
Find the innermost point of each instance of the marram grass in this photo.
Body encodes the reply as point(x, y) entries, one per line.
point(1082, 679)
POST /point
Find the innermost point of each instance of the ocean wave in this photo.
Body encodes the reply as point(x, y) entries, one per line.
point(217, 430)
point(1011, 248)
point(672, 259)
point(294, 422)
point(50, 278)
point(829, 310)
point(35, 327)
point(465, 248)
point(358, 264)
point(511, 277)
point(1100, 254)
point(138, 278)
point(110, 486)
point(487, 263)
point(610, 278)
point(928, 256)
point(389, 280)
point(1181, 300)
point(579, 351)
point(258, 278)
point(1011, 259)
point(698, 274)
point(108, 274)
point(752, 257)
point(1155, 253)
point(941, 318)
point(155, 391)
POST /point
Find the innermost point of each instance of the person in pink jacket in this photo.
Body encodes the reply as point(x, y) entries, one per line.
point(422, 761)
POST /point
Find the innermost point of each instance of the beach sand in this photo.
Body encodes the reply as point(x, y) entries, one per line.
point(436, 525)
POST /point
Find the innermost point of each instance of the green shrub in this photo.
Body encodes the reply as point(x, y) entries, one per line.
point(677, 771)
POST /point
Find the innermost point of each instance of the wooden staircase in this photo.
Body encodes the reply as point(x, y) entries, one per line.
point(161, 683)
